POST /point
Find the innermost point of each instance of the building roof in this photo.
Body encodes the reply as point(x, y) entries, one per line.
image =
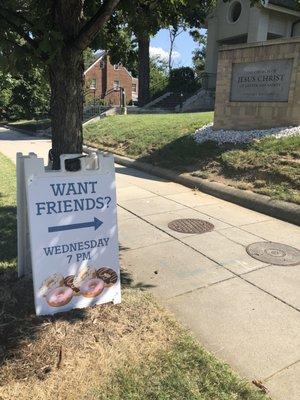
point(100, 55)
point(291, 4)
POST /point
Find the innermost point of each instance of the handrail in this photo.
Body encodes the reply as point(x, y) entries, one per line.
point(120, 89)
point(208, 80)
point(111, 91)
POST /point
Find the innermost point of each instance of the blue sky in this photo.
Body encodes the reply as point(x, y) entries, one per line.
point(184, 46)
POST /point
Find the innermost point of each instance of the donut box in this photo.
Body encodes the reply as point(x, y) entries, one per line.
point(68, 220)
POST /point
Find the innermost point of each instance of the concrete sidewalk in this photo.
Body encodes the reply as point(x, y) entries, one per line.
point(246, 312)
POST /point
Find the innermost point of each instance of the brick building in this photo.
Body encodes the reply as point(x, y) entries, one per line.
point(104, 80)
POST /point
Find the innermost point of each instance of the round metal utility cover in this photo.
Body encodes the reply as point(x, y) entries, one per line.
point(274, 253)
point(190, 225)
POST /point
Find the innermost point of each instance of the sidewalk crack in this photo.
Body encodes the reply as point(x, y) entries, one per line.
point(279, 371)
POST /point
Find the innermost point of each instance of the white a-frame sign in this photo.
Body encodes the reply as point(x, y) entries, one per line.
point(72, 245)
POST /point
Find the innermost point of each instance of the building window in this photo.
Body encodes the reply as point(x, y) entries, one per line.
point(117, 66)
point(134, 87)
point(116, 84)
point(93, 83)
point(101, 64)
point(234, 12)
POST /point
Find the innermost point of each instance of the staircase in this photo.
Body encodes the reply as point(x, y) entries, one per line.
point(202, 100)
point(169, 101)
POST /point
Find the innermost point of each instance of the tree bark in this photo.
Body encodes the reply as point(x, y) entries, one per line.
point(66, 81)
point(144, 69)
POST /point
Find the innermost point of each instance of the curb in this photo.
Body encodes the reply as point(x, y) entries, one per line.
point(285, 211)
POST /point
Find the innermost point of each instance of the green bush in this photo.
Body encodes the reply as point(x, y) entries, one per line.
point(182, 79)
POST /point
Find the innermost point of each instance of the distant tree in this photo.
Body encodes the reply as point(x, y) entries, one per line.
point(182, 79)
point(199, 53)
point(158, 76)
point(89, 56)
point(174, 32)
point(118, 39)
point(24, 94)
point(6, 86)
point(30, 95)
point(127, 34)
point(147, 17)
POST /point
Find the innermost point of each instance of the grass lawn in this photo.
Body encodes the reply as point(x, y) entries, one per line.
point(132, 351)
point(8, 221)
point(270, 166)
point(31, 125)
point(141, 135)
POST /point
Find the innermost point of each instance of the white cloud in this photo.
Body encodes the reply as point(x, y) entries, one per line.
point(163, 54)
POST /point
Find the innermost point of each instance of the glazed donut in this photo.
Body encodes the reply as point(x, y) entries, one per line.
point(59, 296)
point(85, 273)
point(108, 275)
point(92, 287)
point(69, 281)
point(52, 282)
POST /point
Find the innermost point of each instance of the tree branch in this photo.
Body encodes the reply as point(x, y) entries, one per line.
point(18, 45)
point(19, 31)
point(92, 27)
point(16, 14)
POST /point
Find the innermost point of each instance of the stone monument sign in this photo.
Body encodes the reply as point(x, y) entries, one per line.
point(261, 81)
point(258, 85)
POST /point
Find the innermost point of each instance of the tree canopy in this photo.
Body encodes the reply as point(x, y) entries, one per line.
point(53, 34)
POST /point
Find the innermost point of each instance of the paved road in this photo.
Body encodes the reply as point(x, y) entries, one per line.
point(244, 311)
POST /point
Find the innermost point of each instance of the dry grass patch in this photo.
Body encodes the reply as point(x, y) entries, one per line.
point(131, 351)
point(69, 355)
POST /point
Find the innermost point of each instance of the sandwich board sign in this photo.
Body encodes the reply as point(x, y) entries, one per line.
point(73, 237)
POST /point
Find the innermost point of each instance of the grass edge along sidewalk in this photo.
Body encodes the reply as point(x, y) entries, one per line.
point(283, 210)
point(269, 166)
point(135, 350)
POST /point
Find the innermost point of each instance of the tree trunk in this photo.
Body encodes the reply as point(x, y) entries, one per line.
point(66, 81)
point(172, 36)
point(144, 69)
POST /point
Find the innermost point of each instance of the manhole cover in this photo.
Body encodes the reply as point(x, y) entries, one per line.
point(190, 225)
point(274, 253)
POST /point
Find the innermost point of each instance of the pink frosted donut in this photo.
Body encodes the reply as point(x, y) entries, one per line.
point(92, 288)
point(59, 296)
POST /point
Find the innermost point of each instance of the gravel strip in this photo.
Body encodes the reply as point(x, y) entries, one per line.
point(223, 136)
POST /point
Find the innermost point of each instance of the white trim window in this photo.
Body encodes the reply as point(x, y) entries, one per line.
point(117, 66)
point(116, 85)
point(93, 84)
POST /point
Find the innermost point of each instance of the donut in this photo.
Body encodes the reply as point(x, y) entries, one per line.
point(85, 273)
point(59, 296)
point(54, 281)
point(92, 287)
point(69, 281)
point(108, 275)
